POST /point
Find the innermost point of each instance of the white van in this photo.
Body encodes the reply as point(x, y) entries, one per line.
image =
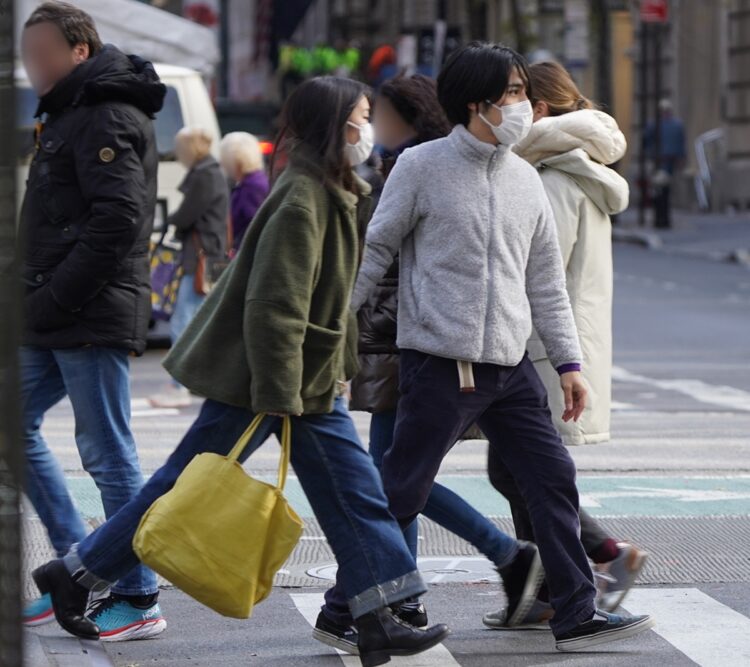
point(187, 103)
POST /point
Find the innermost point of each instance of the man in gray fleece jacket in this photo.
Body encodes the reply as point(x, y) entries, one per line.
point(479, 264)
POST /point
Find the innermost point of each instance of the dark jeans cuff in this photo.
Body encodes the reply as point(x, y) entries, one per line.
point(387, 593)
point(81, 575)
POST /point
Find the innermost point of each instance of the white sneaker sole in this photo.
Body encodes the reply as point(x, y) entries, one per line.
point(140, 630)
point(498, 625)
point(332, 640)
point(606, 636)
point(531, 588)
point(42, 619)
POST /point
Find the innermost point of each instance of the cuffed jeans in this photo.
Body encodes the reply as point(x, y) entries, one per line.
point(444, 507)
point(96, 380)
point(510, 406)
point(338, 478)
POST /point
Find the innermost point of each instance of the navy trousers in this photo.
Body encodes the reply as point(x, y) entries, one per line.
point(510, 406)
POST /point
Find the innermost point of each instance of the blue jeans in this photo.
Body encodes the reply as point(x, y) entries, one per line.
point(97, 382)
point(444, 507)
point(338, 478)
point(185, 307)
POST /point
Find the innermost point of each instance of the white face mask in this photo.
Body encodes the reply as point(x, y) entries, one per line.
point(516, 123)
point(359, 152)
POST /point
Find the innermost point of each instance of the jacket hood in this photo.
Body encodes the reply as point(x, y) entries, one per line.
point(581, 144)
point(594, 131)
point(608, 190)
point(110, 76)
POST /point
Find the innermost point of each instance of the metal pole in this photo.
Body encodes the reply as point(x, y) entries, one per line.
point(224, 47)
point(657, 114)
point(604, 68)
point(643, 90)
point(11, 636)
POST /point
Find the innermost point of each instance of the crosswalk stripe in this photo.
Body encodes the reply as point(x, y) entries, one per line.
point(706, 631)
point(308, 604)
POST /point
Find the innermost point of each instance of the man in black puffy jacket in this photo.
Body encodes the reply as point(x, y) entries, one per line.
point(86, 222)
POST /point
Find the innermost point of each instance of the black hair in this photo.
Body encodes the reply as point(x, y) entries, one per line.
point(76, 25)
point(476, 73)
point(315, 116)
point(415, 99)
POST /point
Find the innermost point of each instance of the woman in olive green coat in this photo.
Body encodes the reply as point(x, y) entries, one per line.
point(272, 338)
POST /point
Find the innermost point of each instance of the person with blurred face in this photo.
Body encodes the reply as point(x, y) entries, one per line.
point(479, 264)
point(200, 224)
point(242, 161)
point(86, 222)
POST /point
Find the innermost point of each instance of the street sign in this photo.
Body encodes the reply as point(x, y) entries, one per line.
point(654, 11)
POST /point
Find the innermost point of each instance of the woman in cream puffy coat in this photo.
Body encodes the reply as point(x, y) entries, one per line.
point(572, 151)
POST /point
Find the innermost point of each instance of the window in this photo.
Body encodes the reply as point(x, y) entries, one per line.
point(26, 103)
point(168, 122)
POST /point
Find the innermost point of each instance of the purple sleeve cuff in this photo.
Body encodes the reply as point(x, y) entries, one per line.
point(569, 368)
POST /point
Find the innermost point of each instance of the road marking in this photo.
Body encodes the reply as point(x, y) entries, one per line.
point(680, 495)
point(308, 604)
point(706, 631)
point(722, 395)
point(155, 412)
point(618, 406)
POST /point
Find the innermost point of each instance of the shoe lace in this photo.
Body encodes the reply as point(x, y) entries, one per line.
point(101, 605)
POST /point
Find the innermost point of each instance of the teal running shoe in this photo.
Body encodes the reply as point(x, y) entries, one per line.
point(121, 621)
point(38, 612)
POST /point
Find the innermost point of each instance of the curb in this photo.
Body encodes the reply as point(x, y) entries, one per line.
point(645, 239)
point(653, 241)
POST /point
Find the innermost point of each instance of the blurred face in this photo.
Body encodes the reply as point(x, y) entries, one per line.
point(182, 150)
point(231, 168)
point(359, 116)
point(47, 56)
point(391, 130)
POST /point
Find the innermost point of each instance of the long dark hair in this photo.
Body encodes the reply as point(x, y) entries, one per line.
point(415, 99)
point(314, 116)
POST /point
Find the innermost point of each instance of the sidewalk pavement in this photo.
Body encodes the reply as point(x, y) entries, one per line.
point(713, 236)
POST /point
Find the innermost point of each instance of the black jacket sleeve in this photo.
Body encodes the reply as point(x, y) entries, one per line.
point(199, 193)
point(111, 179)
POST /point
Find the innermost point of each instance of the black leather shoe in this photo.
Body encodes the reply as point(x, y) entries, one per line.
point(382, 635)
point(69, 599)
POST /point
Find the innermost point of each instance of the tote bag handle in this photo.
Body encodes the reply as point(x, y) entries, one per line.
point(286, 446)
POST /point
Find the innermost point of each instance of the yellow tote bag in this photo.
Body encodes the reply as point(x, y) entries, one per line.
point(220, 535)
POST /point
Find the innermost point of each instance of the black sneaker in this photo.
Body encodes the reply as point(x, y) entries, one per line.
point(342, 637)
point(412, 613)
point(602, 629)
point(522, 580)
